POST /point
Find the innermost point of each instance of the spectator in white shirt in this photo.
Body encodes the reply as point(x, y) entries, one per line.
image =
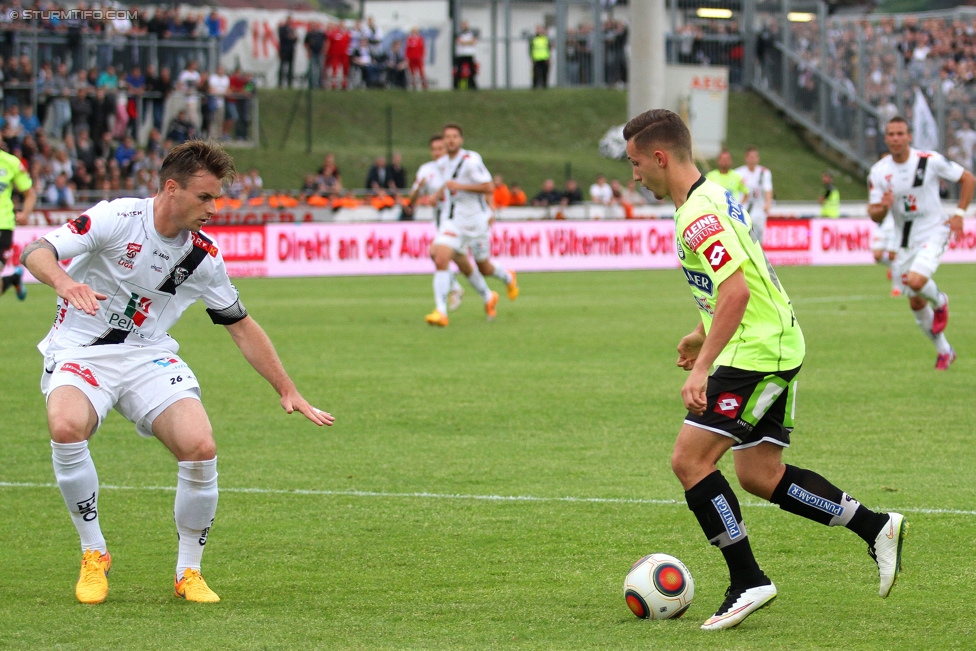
point(601, 192)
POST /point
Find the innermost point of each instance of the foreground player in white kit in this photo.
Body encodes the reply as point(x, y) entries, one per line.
point(464, 225)
point(906, 183)
point(136, 266)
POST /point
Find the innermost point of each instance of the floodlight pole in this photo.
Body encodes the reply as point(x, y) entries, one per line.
point(647, 55)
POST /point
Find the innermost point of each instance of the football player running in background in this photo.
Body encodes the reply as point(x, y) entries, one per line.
point(749, 333)
point(428, 183)
point(906, 185)
point(759, 184)
point(464, 225)
point(17, 178)
point(136, 266)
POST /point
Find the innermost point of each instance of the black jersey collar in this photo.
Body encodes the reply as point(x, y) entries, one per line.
point(694, 186)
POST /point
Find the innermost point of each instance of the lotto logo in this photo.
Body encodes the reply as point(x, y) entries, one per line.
point(728, 404)
point(717, 255)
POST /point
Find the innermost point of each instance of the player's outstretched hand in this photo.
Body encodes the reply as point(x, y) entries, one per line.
point(297, 403)
point(81, 297)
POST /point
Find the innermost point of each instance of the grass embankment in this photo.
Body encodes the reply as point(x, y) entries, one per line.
point(525, 136)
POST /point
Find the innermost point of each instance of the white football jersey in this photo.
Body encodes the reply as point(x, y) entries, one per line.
point(469, 211)
point(917, 210)
point(149, 280)
point(430, 174)
point(758, 181)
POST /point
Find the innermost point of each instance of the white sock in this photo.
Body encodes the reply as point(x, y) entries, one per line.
point(478, 282)
point(924, 318)
point(502, 275)
point(75, 473)
point(885, 260)
point(455, 285)
point(442, 287)
point(196, 505)
point(930, 292)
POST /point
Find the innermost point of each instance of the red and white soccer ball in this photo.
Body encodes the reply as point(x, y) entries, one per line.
point(659, 586)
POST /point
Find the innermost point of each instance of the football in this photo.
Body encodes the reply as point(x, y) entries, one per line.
point(659, 586)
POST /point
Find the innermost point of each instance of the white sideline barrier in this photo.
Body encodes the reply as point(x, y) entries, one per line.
point(333, 249)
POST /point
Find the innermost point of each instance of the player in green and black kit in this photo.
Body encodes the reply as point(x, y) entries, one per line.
point(749, 333)
point(13, 175)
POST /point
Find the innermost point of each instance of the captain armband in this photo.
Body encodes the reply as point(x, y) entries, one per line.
point(228, 315)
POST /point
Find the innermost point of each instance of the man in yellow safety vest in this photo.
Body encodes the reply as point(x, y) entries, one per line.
point(540, 50)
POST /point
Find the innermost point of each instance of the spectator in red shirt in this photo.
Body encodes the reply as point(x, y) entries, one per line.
point(337, 54)
point(415, 52)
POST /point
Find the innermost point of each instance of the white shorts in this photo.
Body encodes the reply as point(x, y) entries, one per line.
point(924, 258)
point(138, 382)
point(449, 235)
point(885, 237)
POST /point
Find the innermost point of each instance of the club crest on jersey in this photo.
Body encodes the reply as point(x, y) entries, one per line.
point(910, 203)
point(83, 372)
point(80, 225)
point(205, 244)
point(717, 255)
point(728, 404)
point(179, 275)
point(735, 208)
point(700, 230)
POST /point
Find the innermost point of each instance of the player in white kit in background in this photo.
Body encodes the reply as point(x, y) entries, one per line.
point(136, 266)
point(465, 222)
point(906, 184)
point(759, 181)
point(428, 183)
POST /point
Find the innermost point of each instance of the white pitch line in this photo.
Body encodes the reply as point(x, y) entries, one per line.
point(835, 299)
point(454, 496)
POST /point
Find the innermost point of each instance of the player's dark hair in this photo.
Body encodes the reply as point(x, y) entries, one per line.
point(453, 125)
point(661, 128)
point(434, 138)
point(900, 119)
point(188, 159)
point(752, 148)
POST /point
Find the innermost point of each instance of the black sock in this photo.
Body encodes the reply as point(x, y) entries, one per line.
point(717, 509)
point(7, 282)
point(807, 494)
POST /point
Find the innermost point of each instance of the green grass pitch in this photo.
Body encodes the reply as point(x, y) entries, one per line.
point(487, 486)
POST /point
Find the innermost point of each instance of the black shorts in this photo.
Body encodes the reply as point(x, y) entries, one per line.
point(749, 407)
point(6, 243)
